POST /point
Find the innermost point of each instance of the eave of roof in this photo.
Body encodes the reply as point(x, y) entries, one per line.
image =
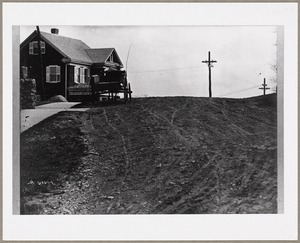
point(83, 54)
point(33, 34)
point(29, 38)
point(72, 48)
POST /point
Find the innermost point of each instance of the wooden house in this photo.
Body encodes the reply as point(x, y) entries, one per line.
point(65, 63)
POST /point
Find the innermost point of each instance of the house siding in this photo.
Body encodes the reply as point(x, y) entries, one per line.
point(32, 62)
point(66, 54)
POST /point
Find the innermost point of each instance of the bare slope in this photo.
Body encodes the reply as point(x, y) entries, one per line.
point(155, 155)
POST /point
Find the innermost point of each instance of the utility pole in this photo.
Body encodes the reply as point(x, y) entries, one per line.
point(41, 63)
point(209, 64)
point(264, 86)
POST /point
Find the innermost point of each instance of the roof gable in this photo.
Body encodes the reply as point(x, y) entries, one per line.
point(101, 55)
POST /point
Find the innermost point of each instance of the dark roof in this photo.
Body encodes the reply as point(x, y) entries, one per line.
point(69, 47)
point(99, 55)
point(75, 50)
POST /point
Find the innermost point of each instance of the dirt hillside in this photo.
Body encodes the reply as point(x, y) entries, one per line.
point(171, 155)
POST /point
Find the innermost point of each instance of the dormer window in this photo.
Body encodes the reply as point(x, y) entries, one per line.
point(34, 50)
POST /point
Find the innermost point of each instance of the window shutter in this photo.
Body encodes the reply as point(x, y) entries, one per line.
point(81, 75)
point(58, 73)
point(48, 74)
point(76, 75)
point(30, 48)
point(35, 50)
point(24, 72)
point(58, 70)
point(43, 47)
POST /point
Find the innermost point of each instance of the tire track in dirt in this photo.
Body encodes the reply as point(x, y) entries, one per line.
point(104, 201)
point(173, 127)
point(223, 173)
point(200, 188)
point(174, 113)
point(127, 190)
point(242, 131)
point(214, 105)
point(91, 122)
point(122, 137)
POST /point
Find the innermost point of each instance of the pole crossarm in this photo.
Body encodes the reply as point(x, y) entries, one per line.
point(209, 61)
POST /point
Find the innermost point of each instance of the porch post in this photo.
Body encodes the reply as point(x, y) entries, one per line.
point(66, 81)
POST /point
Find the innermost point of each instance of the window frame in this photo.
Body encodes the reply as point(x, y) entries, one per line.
point(81, 74)
point(57, 74)
point(32, 47)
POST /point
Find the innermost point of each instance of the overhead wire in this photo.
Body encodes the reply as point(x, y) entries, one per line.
point(239, 78)
point(166, 70)
point(231, 74)
point(236, 76)
point(235, 92)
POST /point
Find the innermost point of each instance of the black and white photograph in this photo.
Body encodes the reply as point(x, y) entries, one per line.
point(152, 120)
point(149, 119)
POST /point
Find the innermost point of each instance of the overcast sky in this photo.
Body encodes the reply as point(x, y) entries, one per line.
point(167, 60)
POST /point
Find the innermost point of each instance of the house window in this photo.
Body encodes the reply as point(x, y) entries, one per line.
point(53, 74)
point(24, 72)
point(111, 58)
point(82, 75)
point(79, 75)
point(34, 50)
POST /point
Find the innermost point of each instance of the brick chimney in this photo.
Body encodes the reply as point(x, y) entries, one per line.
point(54, 31)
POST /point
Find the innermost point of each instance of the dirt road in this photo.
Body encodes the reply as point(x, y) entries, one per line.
point(175, 155)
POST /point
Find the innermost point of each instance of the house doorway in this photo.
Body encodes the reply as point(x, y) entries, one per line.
point(70, 76)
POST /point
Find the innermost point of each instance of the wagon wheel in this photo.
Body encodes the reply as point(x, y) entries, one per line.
point(129, 92)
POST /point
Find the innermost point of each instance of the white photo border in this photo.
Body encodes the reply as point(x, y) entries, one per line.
point(155, 227)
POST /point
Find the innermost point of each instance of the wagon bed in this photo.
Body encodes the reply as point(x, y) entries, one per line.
point(108, 85)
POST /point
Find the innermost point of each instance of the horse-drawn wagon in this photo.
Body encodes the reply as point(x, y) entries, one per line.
point(110, 84)
point(104, 86)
